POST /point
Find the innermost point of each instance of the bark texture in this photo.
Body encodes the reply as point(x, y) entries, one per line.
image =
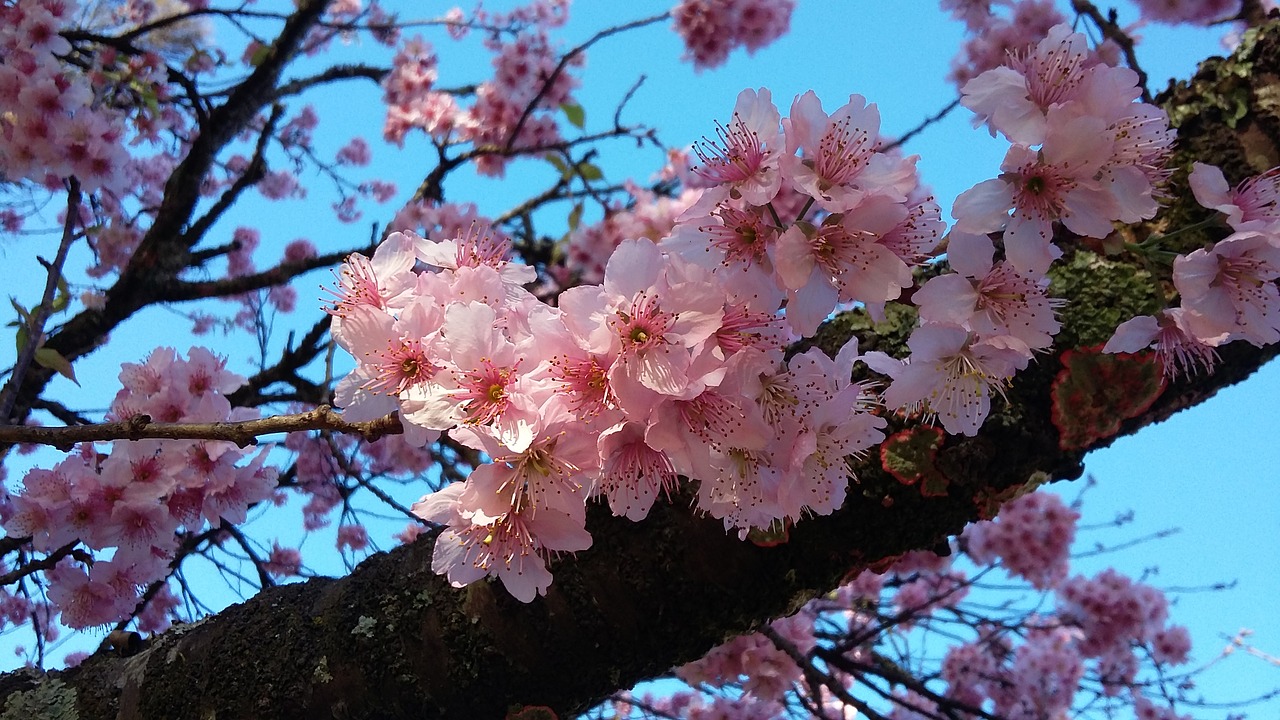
point(392, 640)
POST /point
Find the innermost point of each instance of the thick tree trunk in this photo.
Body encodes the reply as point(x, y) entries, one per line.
point(392, 640)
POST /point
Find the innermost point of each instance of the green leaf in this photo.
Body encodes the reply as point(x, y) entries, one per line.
point(22, 337)
point(52, 359)
point(259, 55)
point(63, 297)
point(574, 113)
point(575, 217)
point(22, 311)
point(778, 533)
point(559, 164)
point(589, 171)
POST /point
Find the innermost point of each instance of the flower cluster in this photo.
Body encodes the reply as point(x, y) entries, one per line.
point(136, 498)
point(1227, 291)
point(1198, 12)
point(1084, 153)
point(528, 85)
point(590, 245)
point(993, 37)
point(62, 130)
point(1031, 538)
point(711, 29)
point(672, 367)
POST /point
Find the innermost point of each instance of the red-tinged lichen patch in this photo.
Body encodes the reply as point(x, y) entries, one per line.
point(909, 456)
point(1095, 392)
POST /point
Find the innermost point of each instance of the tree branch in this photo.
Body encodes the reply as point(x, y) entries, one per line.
point(242, 433)
point(393, 640)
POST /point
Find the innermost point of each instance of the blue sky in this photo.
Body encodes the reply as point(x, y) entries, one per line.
point(1211, 471)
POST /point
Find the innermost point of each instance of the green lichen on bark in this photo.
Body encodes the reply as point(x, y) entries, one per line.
point(1103, 293)
point(48, 700)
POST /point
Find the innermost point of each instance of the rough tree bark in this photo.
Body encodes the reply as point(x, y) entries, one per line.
point(392, 640)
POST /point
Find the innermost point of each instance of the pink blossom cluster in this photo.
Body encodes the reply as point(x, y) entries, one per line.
point(1085, 154)
point(1099, 631)
point(980, 324)
point(62, 130)
point(1103, 627)
point(765, 671)
point(541, 13)
point(1112, 612)
point(527, 87)
point(1037, 679)
point(1196, 12)
point(408, 92)
point(440, 220)
point(711, 29)
point(517, 107)
point(1227, 291)
point(1031, 538)
point(137, 498)
point(674, 363)
point(994, 36)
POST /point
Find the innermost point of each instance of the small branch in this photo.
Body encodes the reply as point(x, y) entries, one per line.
point(333, 74)
point(180, 290)
point(242, 433)
point(564, 62)
point(252, 175)
point(44, 563)
point(264, 579)
point(40, 314)
point(920, 128)
point(286, 369)
point(1116, 34)
point(61, 412)
point(816, 675)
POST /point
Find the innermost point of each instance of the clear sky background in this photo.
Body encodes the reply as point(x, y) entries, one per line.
point(1210, 472)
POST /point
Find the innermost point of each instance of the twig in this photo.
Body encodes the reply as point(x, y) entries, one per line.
point(920, 128)
point(39, 314)
point(564, 62)
point(1113, 32)
point(44, 563)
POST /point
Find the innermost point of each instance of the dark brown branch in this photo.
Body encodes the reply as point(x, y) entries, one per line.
point(1112, 31)
point(252, 175)
point(333, 74)
point(180, 290)
point(955, 103)
point(286, 370)
point(45, 563)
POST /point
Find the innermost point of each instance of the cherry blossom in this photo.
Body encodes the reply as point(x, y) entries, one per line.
point(744, 158)
point(991, 299)
point(950, 375)
point(1231, 286)
point(1251, 205)
point(1183, 340)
